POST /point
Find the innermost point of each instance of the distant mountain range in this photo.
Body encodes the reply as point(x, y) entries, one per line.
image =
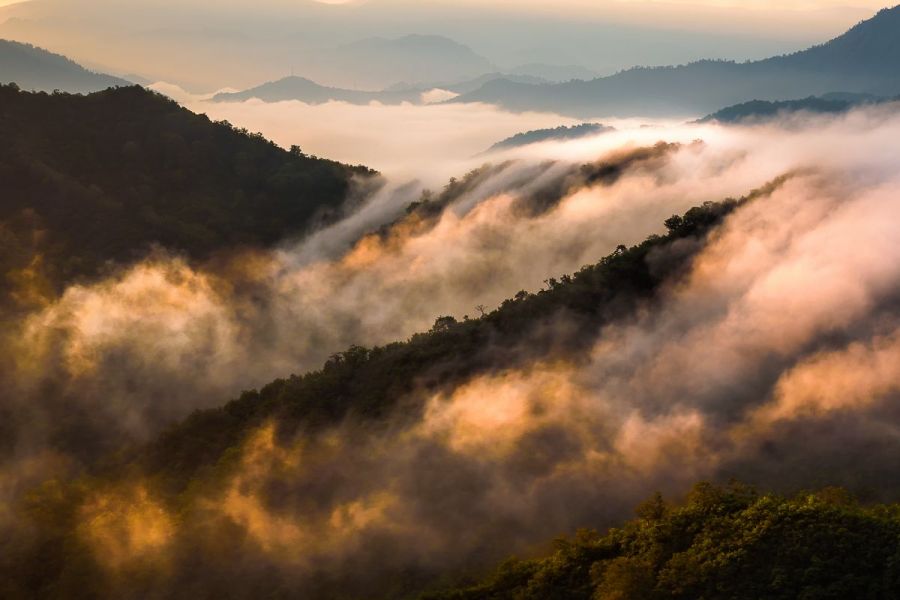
point(866, 59)
point(36, 69)
point(240, 44)
point(554, 73)
point(762, 110)
point(376, 62)
point(307, 90)
point(546, 135)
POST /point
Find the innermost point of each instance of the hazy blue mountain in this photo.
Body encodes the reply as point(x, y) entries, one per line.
point(863, 60)
point(544, 135)
point(761, 110)
point(470, 85)
point(378, 62)
point(222, 42)
point(305, 90)
point(33, 68)
point(554, 73)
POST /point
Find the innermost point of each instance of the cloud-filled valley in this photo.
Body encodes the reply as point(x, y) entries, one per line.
point(445, 315)
point(780, 324)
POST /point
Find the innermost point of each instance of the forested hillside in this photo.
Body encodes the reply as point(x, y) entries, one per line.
point(365, 388)
point(98, 179)
point(729, 542)
point(719, 544)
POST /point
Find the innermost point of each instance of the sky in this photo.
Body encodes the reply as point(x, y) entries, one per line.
point(204, 45)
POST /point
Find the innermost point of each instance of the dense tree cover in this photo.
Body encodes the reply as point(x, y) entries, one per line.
point(725, 542)
point(367, 383)
point(360, 385)
point(371, 388)
point(89, 180)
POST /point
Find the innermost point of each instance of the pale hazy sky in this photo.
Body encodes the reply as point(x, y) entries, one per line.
point(636, 8)
point(211, 44)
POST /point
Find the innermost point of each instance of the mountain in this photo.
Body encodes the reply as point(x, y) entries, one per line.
point(380, 62)
point(258, 498)
point(368, 387)
point(470, 85)
point(863, 60)
point(554, 73)
point(305, 90)
point(761, 110)
point(105, 176)
point(544, 135)
point(249, 43)
point(33, 68)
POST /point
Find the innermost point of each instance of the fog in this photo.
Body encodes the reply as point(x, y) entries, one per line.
point(773, 351)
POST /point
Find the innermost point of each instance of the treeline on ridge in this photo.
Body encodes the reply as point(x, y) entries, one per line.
point(367, 386)
point(98, 179)
point(367, 383)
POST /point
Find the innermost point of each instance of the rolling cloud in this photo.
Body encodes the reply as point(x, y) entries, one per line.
point(776, 350)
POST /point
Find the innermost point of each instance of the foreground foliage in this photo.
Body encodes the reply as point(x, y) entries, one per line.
point(729, 542)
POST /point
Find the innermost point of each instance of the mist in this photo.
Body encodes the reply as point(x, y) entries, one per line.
point(773, 350)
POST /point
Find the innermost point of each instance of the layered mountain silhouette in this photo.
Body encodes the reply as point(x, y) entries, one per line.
point(554, 73)
point(33, 68)
point(866, 59)
point(307, 90)
point(377, 62)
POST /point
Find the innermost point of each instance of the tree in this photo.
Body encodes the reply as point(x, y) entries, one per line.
point(442, 324)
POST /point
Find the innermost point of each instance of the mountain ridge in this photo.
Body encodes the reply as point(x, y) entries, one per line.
point(162, 175)
point(304, 89)
point(862, 60)
point(34, 68)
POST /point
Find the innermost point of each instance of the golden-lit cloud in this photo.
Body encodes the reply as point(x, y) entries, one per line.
point(783, 321)
point(126, 527)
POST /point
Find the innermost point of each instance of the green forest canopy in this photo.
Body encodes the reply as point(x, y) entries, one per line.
point(725, 542)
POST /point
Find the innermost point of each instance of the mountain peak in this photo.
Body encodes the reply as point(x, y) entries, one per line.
point(34, 68)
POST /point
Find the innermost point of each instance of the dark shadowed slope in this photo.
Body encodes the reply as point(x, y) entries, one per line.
point(863, 60)
point(105, 176)
point(33, 68)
